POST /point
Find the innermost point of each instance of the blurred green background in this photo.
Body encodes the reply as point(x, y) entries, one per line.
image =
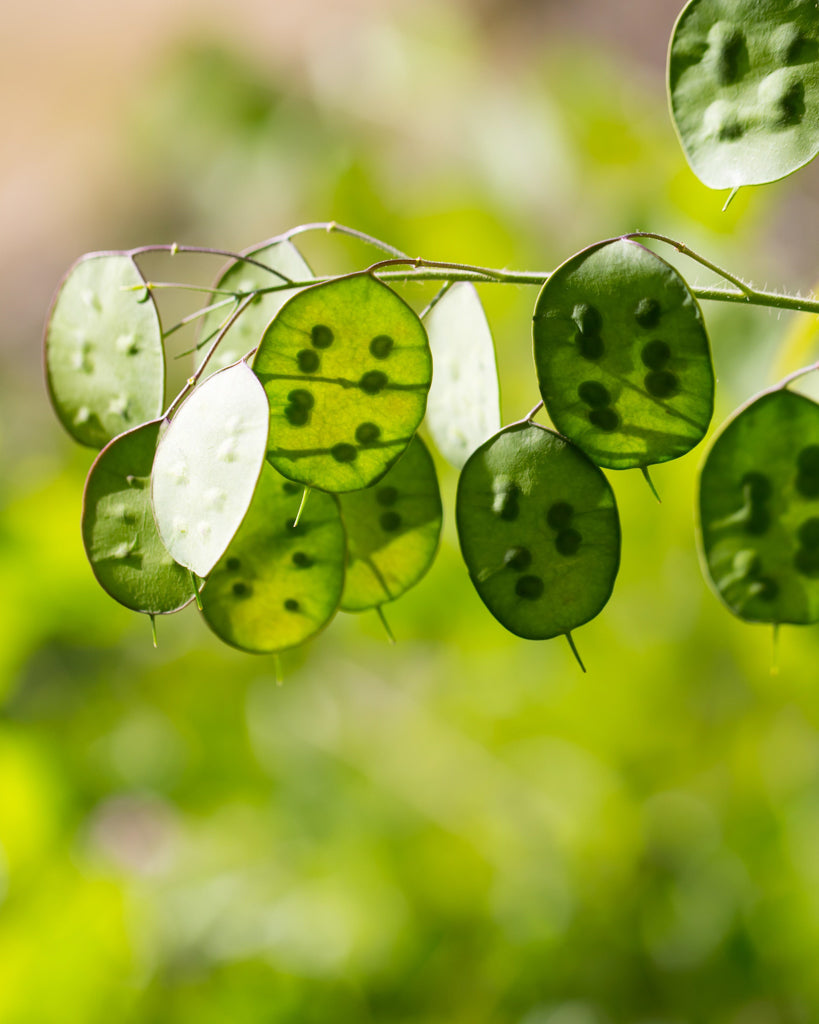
point(461, 828)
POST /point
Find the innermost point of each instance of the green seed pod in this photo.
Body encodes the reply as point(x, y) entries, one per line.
point(346, 367)
point(207, 465)
point(743, 82)
point(759, 510)
point(246, 332)
point(121, 540)
point(539, 531)
point(278, 584)
point(105, 364)
point(392, 531)
point(622, 356)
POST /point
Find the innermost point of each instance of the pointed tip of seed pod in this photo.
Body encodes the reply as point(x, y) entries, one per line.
point(650, 482)
point(380, 611)
point(575, 652)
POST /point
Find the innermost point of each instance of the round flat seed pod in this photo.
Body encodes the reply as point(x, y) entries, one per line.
point(392, 529)
point(121, 539)
point(539, 531)
point(743, 81)
point(104, 359)
point(207, 465)
point(759, 510)
point(463, 408)
point(277, 585)
point(622, 356)
point(346, 367)
point(244, 334)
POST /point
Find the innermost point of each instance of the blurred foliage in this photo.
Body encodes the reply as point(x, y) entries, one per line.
point(461, 828)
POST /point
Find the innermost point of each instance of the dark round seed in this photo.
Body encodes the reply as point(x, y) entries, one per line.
point(567, 542)
point(297, 415)
point(509, 509)
point(289, 487)
point(559, 515)
point(655, 354)
point(661, 383)
point(321, 336)
point(593, 393)
point(759, 521)
point(390, 521)
point(756, 486)
point(647, 312)
point(809, 533)
point(301, 397)
point(590, 345)
point(808, 485)
point(604, 419)
point(769, 588)
point(232, 564)
point(530, 587)
point(386, 495)
point(367, 433)
point(291, 605)
point(808, 460)
point(344, 452)
point(517, 559)
point(241, 590)
point(308, 360)
point(587, 318)
point(806, 562)
point(381, 346)
point(301, 560)
point(372, 382)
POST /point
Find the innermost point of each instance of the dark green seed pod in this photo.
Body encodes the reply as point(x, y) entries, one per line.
point(646, 394)
point(551, 567)
point(759, 510)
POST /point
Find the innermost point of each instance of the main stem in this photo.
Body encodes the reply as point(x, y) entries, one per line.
point(425, 270)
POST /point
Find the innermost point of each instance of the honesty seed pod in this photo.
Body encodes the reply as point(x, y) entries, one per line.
point(622, 356)
point(759, 510)
point(105, 365)
point(346, 367)
point(539, 531)
point(743, 80)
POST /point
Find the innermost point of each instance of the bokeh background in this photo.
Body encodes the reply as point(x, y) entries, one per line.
point(462, 828)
